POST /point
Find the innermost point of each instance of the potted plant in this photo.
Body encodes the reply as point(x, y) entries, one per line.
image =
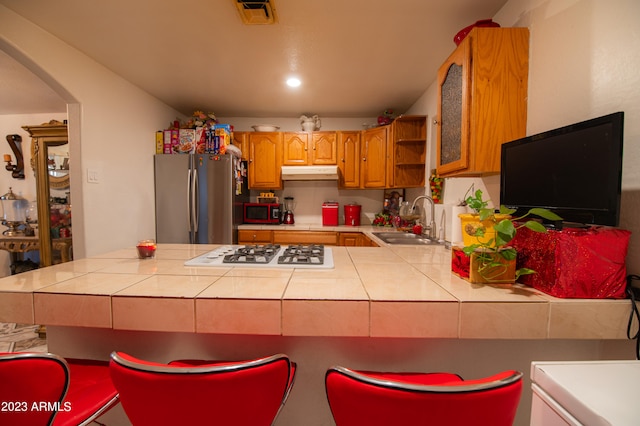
point(492, 259)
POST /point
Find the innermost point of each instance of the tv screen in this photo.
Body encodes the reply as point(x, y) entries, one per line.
point(575, 171)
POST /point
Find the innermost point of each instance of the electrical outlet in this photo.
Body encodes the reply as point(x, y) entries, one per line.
point(93, 176)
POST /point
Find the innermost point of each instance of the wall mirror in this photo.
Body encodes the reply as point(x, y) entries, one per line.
point(52, 139)
point(50, 163)
point(58, 166)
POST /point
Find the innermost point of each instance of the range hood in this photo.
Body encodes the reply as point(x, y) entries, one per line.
point(309, 172)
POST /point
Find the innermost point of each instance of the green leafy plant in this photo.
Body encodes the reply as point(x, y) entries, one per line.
point(490, 251)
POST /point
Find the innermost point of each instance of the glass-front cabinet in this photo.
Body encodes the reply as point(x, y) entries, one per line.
point(482, 100)
point(453, 132)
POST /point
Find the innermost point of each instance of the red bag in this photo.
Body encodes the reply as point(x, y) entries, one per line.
point(575, 262)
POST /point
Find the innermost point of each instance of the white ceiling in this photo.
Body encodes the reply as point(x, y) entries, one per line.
point(355, 58)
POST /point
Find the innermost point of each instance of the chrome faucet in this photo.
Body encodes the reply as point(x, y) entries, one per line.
point(432, 222)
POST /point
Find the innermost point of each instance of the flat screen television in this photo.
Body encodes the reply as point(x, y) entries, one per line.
point(574, 171)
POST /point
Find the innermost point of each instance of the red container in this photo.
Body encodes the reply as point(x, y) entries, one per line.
point(463, 33)
point(352, 214)
point(330, 213)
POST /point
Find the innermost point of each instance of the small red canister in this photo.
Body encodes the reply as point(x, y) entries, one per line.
point(352, 214)
point(330, 213)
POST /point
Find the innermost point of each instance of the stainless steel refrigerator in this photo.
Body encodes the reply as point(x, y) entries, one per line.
point(199, 198)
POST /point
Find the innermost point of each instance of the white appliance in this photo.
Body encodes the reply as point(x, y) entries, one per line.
point(591, 393)
point(199, 198)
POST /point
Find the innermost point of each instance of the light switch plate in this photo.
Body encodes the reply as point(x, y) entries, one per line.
point(93, 176)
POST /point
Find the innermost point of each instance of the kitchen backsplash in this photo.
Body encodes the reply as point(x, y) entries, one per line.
point(309, 196)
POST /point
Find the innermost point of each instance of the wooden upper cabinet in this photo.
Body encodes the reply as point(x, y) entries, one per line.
point(407, 152)
point(265, 160)
point(240, 139)
point(374, 158)
point(295, 147)
point(349, 159)
point(391, 156)
point(303, 148)
point(324, 148)
point(482, 100)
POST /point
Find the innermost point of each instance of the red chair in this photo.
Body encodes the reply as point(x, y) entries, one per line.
point(46, 389)
point(368, 398)
point(240, 393)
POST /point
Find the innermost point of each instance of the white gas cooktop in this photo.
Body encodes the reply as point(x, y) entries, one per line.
point(267, 256)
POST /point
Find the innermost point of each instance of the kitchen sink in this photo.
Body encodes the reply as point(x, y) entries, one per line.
point(404, 238)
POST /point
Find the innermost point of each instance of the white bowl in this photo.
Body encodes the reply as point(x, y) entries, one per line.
point(265, 128)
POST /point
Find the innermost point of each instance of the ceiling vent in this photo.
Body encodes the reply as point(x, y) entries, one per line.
point(257, 12)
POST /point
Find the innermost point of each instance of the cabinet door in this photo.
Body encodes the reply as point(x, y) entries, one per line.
point(295, 148)
point(240, 140)
point(251, 236)
point(324, 148)
point(482, 100)
point(453, 111)
point(305, 237)
point(498, 110)
point(265, 160)
point(374, 157)
point(349, 159)
point(350, 239)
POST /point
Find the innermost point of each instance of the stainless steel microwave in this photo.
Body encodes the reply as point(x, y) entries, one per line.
point(266, 213)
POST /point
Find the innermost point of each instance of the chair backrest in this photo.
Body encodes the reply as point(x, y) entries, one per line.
point(234, 393)
point(360, 398)
point(32, 387)
point(91, 393)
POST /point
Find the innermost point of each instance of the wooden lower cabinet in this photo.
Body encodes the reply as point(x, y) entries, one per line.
point(305, 237)
point(355, 239)
point(352, 239)
point(251, 236)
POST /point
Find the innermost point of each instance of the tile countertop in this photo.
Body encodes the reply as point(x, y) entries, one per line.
point(386, 291)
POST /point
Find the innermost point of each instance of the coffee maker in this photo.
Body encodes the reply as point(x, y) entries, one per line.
point(289, 206)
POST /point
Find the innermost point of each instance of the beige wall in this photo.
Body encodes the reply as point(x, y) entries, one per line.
point(583, 64)
point(116, 123)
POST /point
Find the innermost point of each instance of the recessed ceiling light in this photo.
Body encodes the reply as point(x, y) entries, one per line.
point(293, 82)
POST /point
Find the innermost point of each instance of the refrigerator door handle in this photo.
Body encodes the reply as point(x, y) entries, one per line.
point(189, 202)
point(196, 200)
